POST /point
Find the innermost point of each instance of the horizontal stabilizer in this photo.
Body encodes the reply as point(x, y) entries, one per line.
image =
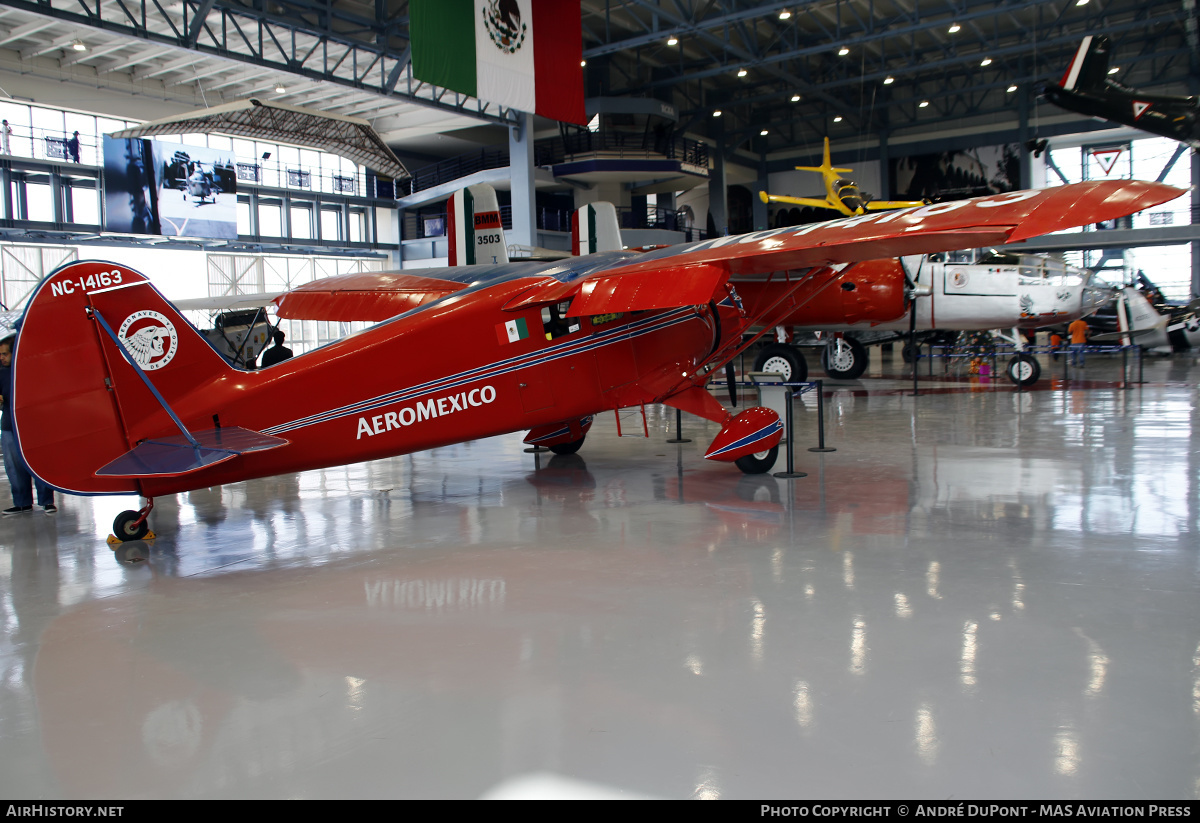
point(177, 455)
point(369, 296)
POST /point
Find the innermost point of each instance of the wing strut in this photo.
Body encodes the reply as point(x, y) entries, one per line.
point(719, 358)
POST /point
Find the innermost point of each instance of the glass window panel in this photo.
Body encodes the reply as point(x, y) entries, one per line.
point(169, 138)
point(105, 125)
point(220, 141)
point(195, 139)
point(245, 151)
point(301, 223)
point(243, 218)
point(357, 227)
point(85, 205)
point(331, 224)
point(289, 156)
point(17, 116)
point(39, 201)
point(270, 220)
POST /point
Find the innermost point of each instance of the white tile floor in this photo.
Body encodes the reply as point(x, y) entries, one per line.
point(980, 594)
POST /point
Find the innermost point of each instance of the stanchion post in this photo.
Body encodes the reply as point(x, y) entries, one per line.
point(1141, 374)
point(791, 438)
point(821, 419)
point(679, 438)
point(1124, 367)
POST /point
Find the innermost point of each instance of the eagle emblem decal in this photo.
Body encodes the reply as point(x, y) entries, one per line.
point(150, 339)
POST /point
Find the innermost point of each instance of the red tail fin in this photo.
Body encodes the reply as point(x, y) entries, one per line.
point(78, 402)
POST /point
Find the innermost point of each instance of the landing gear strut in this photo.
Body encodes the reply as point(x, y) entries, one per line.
point(132, 525)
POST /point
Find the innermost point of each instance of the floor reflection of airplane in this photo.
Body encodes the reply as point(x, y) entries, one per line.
point(114, 392)
point(841, 194)
point(1087, 88)
point(967, 290)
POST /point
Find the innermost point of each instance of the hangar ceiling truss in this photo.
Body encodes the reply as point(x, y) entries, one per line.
point(903, 67)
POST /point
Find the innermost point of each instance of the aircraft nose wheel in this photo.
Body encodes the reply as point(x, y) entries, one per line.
point(1023, 370)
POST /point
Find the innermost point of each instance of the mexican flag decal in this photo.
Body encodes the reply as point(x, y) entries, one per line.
point(512, 331)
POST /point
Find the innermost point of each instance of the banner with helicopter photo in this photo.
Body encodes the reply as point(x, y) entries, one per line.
point(169, 189)
point(954, 175)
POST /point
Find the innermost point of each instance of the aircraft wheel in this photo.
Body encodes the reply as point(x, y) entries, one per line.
point(907, 353)
point(759, 462)
point(124, 528)
point(568, 448)
point(845, 362)
point(782, 359)
point(1023, 370)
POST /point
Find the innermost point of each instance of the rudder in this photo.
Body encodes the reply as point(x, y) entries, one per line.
point(78, 403)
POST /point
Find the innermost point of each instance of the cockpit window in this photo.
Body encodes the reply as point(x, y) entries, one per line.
point(555, 321)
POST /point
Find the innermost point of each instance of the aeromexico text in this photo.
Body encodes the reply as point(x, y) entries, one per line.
point(426, 410)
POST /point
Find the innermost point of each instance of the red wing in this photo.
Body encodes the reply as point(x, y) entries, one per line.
point(371, 296)
point(693, 274)
point(958, 224)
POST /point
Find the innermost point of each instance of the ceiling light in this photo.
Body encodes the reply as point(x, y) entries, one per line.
point(987, 61)
point(717, 113)
point(785, 15)
point(742, 72)
point(583, 62)
point(78, 45)
point(1081, 2)
point(279, 89)
point(887, 81)
point(843, 51)
point(674, 41)
point(795, 98)
point(837, 119)
point(1012, 88)
point(763, 133)
point(1114, 70)
point(923, 104)
point(955, 28)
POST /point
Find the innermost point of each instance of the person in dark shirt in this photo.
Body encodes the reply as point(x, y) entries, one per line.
point(19, 476)
point(73, 147)
point(277, 353)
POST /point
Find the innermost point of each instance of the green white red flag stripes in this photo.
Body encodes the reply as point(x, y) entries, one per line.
point(523, 54)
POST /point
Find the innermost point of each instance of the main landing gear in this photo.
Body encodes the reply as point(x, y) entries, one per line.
point(568, 448)
point(759, 462)
point(132, 525)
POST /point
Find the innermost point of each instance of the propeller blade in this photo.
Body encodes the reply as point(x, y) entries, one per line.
point(732, 388)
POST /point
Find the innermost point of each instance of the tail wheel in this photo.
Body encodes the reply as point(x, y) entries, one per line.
point(568, 448)
point(1023, 370)
point(781, 358)
point(126, 527)
point(759, 462)
point(907, 353)
point(846, 360)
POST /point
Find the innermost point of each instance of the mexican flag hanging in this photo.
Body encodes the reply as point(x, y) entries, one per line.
point(524, 54)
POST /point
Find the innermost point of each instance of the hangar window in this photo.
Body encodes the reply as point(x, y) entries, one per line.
point(555, 321)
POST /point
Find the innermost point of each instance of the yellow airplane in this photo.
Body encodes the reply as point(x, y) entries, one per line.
point(841, 195)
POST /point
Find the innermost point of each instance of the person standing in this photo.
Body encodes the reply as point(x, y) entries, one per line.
point(277, 353)
point(20, 479)
point(1078, 331)
point(73, 147)
point(5, 137)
